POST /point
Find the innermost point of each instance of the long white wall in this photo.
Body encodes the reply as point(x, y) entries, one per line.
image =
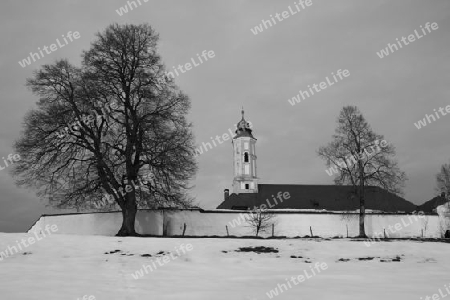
point(213, 223)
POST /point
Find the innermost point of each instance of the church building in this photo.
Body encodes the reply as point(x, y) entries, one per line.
point(248, 193)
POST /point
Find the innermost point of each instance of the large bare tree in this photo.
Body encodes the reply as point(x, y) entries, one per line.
point(362, 157)
point(103, 127)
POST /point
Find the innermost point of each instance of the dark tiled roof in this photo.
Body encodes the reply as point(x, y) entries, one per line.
point(328, 197)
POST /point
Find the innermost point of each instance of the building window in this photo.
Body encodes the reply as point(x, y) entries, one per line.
point(246, 157)
point(246, 146)
point(247, 186)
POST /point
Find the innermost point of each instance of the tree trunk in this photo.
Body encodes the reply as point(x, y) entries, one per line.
point(362, 213)
point(129, 210)
point(362, 209)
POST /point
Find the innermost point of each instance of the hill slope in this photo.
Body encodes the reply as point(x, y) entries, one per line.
point(432, 204)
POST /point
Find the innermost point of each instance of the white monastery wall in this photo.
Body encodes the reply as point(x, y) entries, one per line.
point(212, 223)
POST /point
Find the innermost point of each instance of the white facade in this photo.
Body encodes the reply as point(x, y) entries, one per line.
point(244, 159)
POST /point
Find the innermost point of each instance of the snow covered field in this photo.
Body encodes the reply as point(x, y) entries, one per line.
point(59, 267)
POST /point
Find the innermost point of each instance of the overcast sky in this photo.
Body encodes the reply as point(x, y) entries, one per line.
point(260, 72)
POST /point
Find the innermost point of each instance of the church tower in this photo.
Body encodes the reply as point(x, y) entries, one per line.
point(244, 159)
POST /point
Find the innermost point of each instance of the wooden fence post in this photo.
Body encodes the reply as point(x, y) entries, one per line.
point(227, 230)
point(273, 229)
point(310, 230)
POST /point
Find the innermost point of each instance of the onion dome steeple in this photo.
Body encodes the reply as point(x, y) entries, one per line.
point(243, 128)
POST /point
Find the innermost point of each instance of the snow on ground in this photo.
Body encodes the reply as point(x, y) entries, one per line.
point(62, 267)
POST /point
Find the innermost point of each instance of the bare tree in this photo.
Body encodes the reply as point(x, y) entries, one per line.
point(444, 226)
point(425, 224)
point(358, 167)
point(443, 180)
point(348, 217)
point(260, 221)
point(444, 219)
point(443, 187)
point(73, 158)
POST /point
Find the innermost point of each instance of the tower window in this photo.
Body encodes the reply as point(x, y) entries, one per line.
point(246, 157)
point(246, 145)
point(247, 186)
